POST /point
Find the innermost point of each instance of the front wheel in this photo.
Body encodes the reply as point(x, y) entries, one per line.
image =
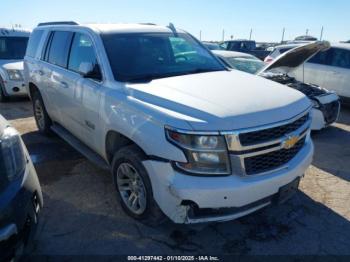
point(134, 190)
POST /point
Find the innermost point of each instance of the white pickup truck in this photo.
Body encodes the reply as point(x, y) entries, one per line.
point(182, 135)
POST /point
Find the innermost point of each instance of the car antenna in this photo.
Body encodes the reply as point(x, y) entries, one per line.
point(172, 28)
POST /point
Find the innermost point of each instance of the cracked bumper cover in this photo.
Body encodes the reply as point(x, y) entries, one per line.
point(172, 190)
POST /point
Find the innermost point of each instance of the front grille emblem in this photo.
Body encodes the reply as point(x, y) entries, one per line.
point(290, 142)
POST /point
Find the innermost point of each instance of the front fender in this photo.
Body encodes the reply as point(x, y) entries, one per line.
point(141, 124)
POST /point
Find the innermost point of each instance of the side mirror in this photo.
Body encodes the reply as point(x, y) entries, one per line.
point(89, 70)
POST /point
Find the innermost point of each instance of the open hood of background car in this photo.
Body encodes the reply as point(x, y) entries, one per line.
point(295, 57)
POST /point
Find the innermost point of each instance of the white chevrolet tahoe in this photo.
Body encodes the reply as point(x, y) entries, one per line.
point(13, 44)
point(182, 135)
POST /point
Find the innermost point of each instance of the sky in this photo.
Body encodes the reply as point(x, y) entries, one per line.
point(266, 18)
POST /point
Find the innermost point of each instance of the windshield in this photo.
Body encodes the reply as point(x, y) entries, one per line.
point(12, 48)
point(247, 64)
point(147, 56)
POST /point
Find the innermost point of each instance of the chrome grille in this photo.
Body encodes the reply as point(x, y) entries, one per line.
point(257, 137)
point(260, 150)
point(266, 162)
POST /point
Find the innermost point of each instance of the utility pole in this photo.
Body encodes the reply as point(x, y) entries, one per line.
point(283, 31)
point(250, 35)
point(307, 32)
point(223, 35)
point(200, 35)
point(321, 33)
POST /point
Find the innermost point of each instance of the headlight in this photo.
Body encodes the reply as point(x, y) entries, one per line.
point(15, 75)
point(12, 160)
point(206, 154)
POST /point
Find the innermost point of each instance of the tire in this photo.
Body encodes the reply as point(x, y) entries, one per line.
point(41, 116)
point(130, 158)
point(3, 97)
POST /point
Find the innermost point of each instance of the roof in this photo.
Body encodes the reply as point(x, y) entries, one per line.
point(118, 28)
point(14, 32)
point(223, 53)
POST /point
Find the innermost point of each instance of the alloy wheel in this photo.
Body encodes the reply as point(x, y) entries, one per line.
point(131, 188)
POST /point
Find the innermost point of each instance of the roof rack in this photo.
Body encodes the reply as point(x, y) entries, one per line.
point(59, 23)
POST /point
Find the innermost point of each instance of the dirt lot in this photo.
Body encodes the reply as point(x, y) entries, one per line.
point(81, 215)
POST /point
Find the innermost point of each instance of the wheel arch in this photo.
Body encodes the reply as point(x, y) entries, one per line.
point(114, 141)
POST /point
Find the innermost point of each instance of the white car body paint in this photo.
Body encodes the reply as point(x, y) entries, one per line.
point(204, 102)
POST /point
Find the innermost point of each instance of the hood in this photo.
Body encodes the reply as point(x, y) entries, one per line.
point(219, 101)
point(12, 65)
point(295, 57)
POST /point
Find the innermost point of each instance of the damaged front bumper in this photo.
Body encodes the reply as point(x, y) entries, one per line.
point(194, 199)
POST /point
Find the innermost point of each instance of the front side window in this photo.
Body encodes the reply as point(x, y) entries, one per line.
point(59, 48)
point(82, 53)
point(13, 47)
point(321, 58)
point(147, 56)
point(340, 58)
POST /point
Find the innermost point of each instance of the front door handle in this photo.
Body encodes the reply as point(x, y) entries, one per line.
point(64, 84)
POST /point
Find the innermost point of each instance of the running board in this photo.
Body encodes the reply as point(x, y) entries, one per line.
point(79, 146)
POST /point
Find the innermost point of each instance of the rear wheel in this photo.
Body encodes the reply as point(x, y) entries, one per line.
point(41, 116)
point(134, 190)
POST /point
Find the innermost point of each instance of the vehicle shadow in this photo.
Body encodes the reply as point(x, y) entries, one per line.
point(20, 108)
point(332, 148)
point(91, 223)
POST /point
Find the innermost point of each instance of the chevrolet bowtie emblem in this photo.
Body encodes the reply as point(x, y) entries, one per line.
point(290, 142)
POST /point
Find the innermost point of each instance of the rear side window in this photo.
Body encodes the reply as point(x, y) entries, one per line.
point(340, 58)
point(33, 43)
point(59, 48)
point(82, 53)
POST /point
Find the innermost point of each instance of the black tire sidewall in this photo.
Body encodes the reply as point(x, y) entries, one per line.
point(3, 97)
point(47, 121)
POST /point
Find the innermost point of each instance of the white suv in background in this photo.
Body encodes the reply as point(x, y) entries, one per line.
point(182, 135)
point(13, 44)
point(329, 69)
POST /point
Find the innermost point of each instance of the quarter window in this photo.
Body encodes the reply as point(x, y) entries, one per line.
point(59, 47)
point(82, 53)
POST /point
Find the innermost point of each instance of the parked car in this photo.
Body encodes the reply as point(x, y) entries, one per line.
point(330, 69)
point(178, 141)
point(20, 194)
point(245, 46)
point(278, 50)
point(326, 103)
point(212, 46)
point(13, 44)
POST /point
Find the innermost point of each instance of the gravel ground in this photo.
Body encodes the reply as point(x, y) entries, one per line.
point(82, 217)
